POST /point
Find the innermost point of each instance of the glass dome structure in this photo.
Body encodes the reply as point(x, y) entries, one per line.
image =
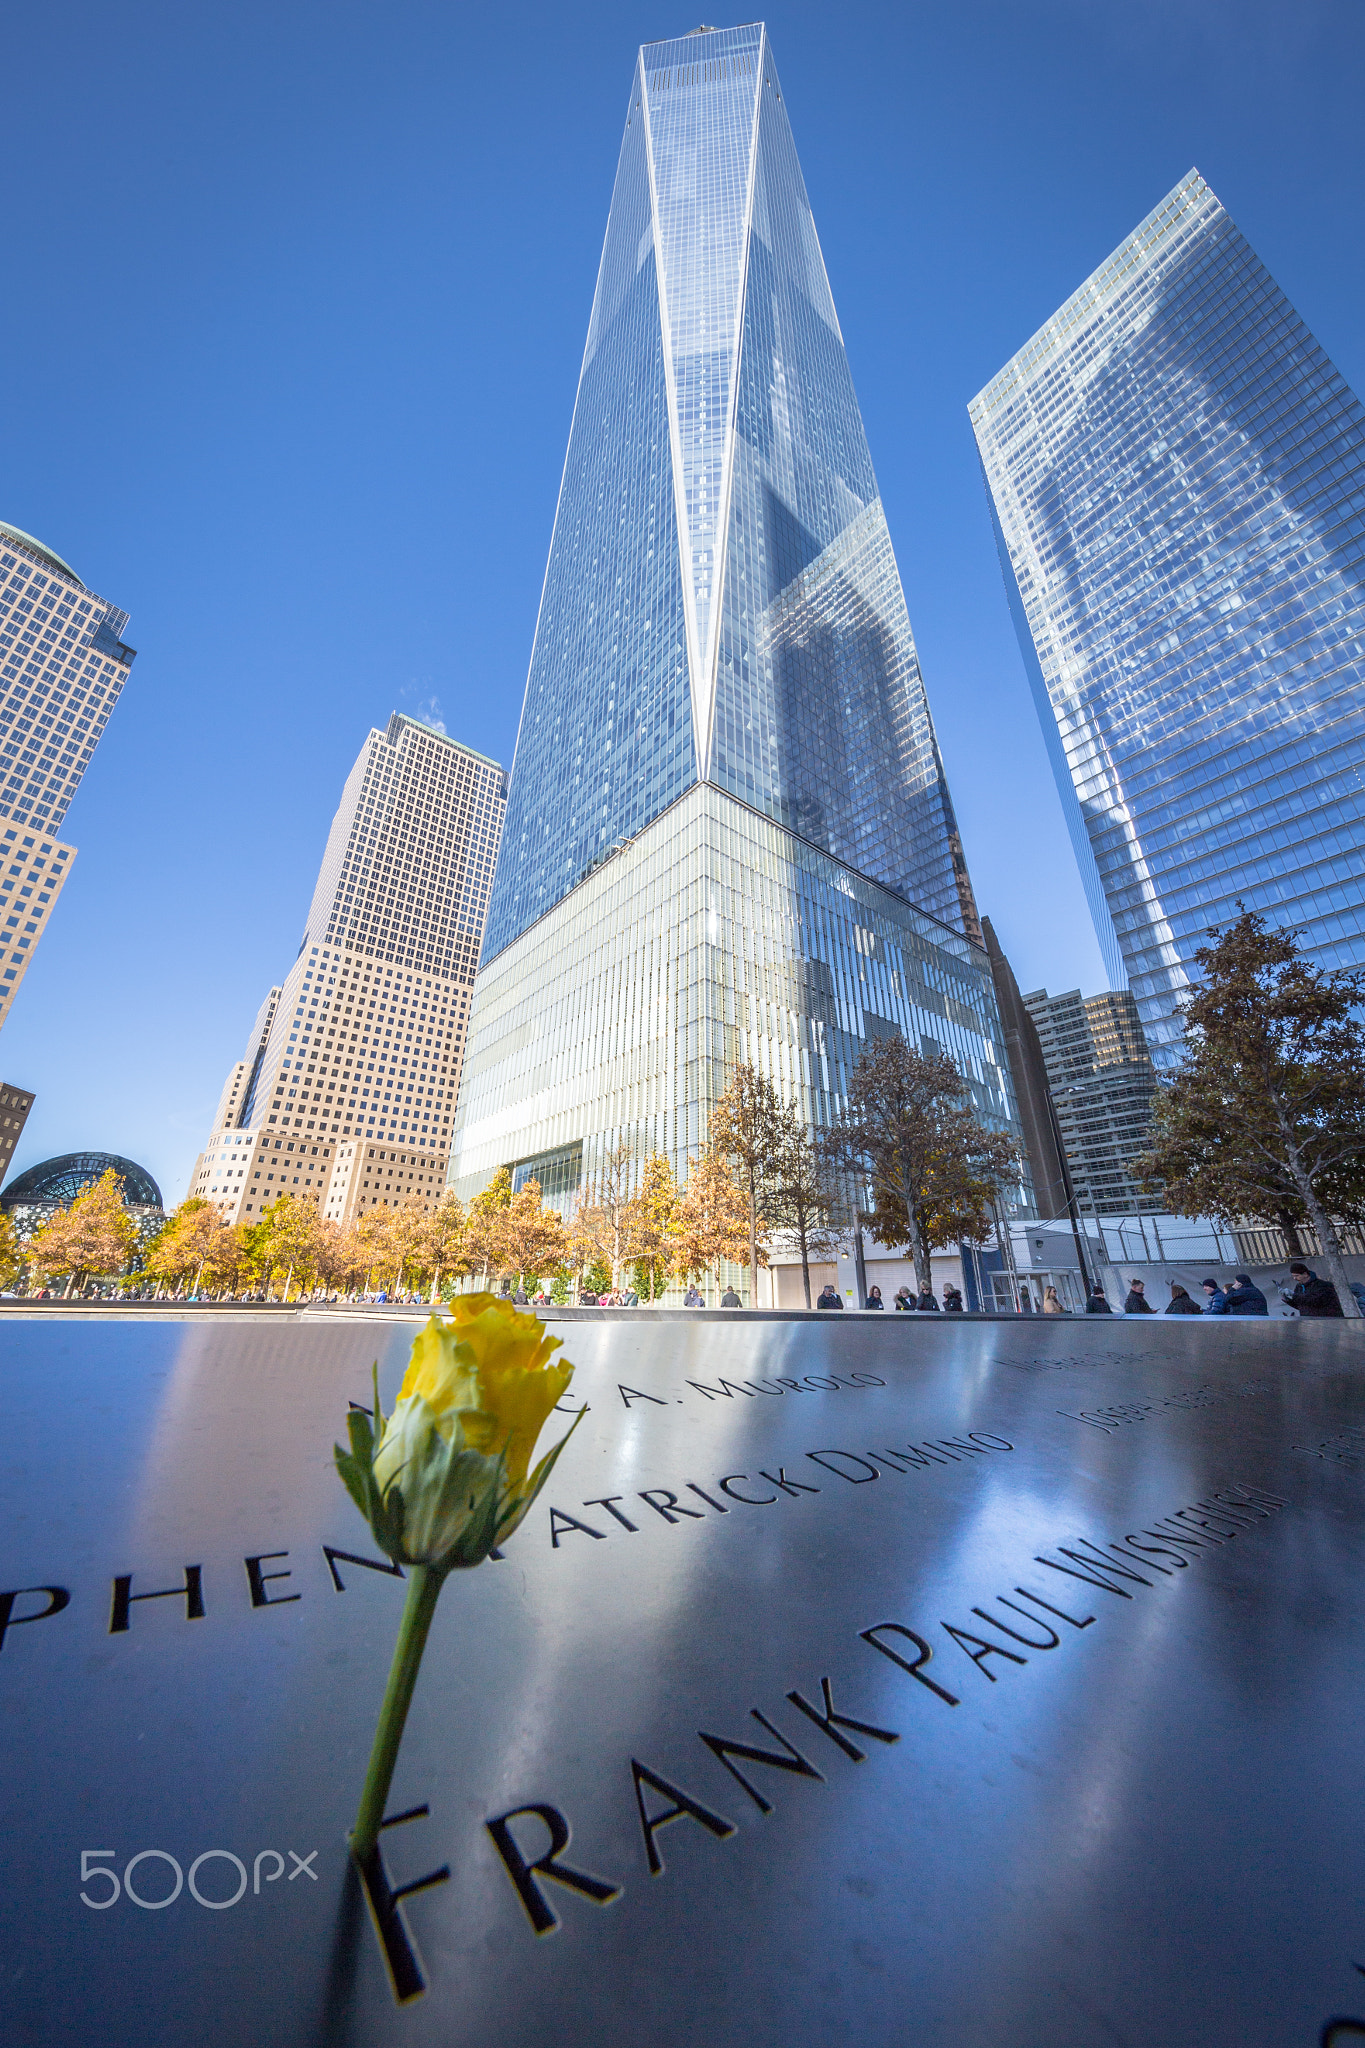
point(56, 1182)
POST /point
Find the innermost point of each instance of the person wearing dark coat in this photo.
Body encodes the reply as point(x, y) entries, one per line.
point(1217, 1302)
point(1137, 1303)
point(874, 1298)
point(904, 1298)
point(928, 1299)
point(1097, 1303)
point(1180, 1303)
point(827, 1298)
point(952, 1299)
point(1244, 1299)
point(729, 1299)
point(1311, 1296)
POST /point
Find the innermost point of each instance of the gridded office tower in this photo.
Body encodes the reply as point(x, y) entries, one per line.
point(345, 1092)
point(729, 834)
point(1102, 1082)
point(1178, 478)
point(15, 1104)
point(62, 666)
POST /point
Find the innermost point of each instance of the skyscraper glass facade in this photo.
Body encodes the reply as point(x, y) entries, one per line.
point(1178, 477)
point(728, 832)
point(722, 601)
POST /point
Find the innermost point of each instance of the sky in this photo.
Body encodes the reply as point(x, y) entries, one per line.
point(292, 325)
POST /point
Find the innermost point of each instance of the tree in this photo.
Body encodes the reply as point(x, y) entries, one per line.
point(534, 1237)
point(288, 1235)
point(336, 1255)
point(598, 1230)
point(649, 1223)
point(183, 1242)
point(445, 1248)
point(485, 1223)
point(228, 1258)
point(910, 1134)
point(11, 1256)
point(711, 1221)
point(806, 1198)
point(748, 1127)
point(1265, 1117)
point(372, 1241)
point(95, 1235)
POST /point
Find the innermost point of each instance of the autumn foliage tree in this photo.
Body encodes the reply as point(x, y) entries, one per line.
point(651, 1216)
point(534, 1237)
point(94, 1235)
point(909, 1133)
point(1264, 1119)
point(711, 1222)
point(485, 1224)
point(806, 1199)
point(748, 1128)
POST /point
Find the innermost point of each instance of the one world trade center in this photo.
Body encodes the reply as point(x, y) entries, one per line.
point(728, 833)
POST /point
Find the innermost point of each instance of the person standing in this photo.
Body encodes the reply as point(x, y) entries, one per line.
point(1097, 1302)
point(1182, 1302)
point(1051, 1304)
point(952, 1299)
point(827, 1298)
point(729, 1299)
point(874, 1298)
point(1244, 1299)
point(1137, 1303)
point(904, 1298)
point(1215, 1301)
point(928, 1299)
point(1311, 1296)
point(692, 1298)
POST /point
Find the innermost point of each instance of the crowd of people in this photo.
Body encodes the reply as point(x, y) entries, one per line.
point(1306, 1294)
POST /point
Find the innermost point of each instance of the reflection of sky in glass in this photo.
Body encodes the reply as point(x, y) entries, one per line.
point(1175, 467)
point(721, 588)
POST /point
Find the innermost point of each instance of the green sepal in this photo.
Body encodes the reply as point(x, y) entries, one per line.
point(355, 1477)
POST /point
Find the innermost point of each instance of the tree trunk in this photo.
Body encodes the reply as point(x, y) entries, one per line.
point(1289, 1230)
point(805, 1261)
point(1327, 1237)
point(753, 1245)
point(924, 1272)
point(1322, 1223)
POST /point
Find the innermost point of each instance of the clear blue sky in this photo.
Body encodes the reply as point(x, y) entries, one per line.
point(295, 302)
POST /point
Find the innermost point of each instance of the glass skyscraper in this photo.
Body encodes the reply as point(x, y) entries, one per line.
point(1178, 478)
point(728, 832)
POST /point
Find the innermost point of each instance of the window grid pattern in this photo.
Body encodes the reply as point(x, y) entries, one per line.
point(716, 936)
point(1178, 472)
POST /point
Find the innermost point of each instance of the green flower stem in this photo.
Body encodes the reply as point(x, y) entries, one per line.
point(424, 1590)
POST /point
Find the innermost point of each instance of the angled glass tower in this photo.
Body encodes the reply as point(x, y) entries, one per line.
point(728, 832)
point(1177, 473)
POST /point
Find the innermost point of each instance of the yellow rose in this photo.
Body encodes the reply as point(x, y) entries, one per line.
point(451, 1475)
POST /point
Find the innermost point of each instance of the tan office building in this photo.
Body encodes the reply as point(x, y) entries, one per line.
point(346, 1091)
point(63, 664)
